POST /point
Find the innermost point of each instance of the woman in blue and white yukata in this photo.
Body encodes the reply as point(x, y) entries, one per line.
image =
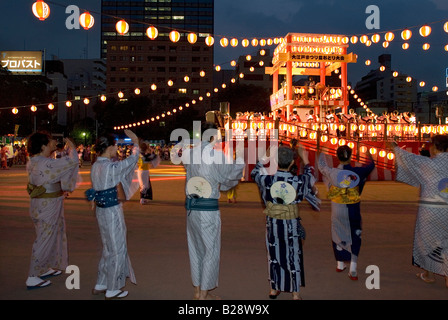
point(115, 266)
point(345, 184)
point(284, 231)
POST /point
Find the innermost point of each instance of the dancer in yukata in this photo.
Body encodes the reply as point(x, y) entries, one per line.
point(281, 193)
point(146, 159)
point(114, 266)
point(49, 179)
point(345, 184)
point(205, 179)
point(430, 174)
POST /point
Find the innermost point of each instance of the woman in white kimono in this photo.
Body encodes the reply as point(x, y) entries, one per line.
point(203, 214)
point(114, 266)
point(49, 178)
point(430, 251)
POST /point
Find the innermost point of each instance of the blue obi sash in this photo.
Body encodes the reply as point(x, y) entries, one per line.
point(201, 204)
point(104, 198)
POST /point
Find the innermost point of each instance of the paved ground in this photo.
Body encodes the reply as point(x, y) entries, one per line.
point(158, 248)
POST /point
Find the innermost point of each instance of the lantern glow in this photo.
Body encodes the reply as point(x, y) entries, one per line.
point(41, 10)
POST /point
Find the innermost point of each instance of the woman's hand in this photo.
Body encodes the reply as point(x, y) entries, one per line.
point(70, 143)
point(132, 135)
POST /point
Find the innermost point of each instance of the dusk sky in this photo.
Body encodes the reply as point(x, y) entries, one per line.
point(20, 30)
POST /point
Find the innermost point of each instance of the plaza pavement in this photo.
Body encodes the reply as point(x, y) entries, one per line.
point(158, 248)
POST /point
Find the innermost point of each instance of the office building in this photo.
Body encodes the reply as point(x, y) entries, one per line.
point(135, 61)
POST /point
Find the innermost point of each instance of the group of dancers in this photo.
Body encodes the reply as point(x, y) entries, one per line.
point(280, 190)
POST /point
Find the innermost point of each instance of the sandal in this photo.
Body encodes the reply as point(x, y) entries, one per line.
point(296, 296)
point(43, 284)
point(421, 275)
point(353, 275)
point(273, 294)
point(96, 292)
point(51, 273)
point(118, 295)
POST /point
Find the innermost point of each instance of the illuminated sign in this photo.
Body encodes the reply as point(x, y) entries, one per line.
point(299, 57)
point(22, 62)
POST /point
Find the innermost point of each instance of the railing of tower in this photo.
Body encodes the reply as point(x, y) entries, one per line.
point(327, 136)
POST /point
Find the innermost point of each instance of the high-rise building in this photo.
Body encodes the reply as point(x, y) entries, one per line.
point(135, 61)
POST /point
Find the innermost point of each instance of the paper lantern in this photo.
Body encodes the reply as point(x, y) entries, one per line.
point(51, 106)
point(153, 87)
point(170, 83)
point(120, 94)
point(354, 39)
point(262, 42)
point(254, 42)
point(234, 42)
point(363, 39)
point(122, 27)
point(192, 37)
point(385, 44)
point(15, 110)
point(245, 43)
point(86, 20)
point(405, 46)
point(41, 10)
point(202, 73)
point(152, 32)
point(174, 36)
point(426, 46)
point(425, 30)
point(445, 27)
point(33, 108)
point(209, 41)
point(68, 104)
point(389, 36)
point(390, 156)
point(375, 38)
point(224, 42)
point(406, 34)
point(103, 98)
point(137, 91)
